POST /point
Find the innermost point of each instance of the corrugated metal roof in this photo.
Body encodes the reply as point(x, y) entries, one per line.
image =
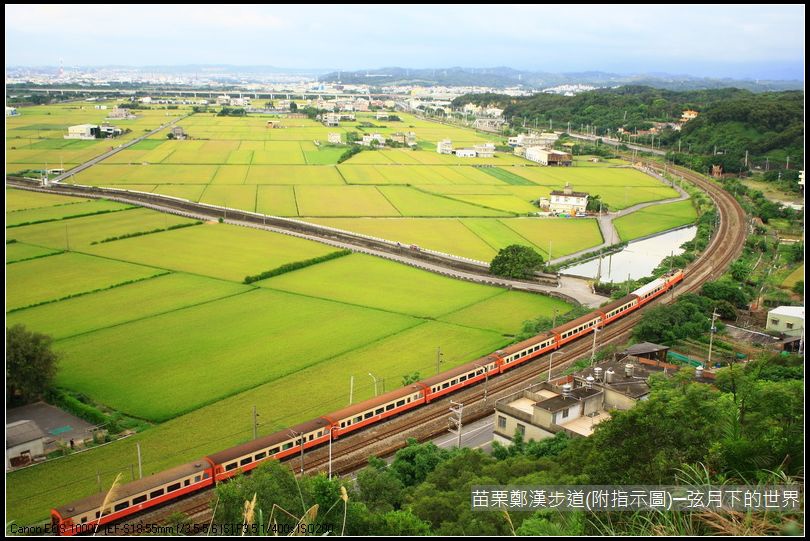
point(617, 303)
point(577, 322)
point(463, 369)
point(266, 441)
point(21, 432)
point(366, 405)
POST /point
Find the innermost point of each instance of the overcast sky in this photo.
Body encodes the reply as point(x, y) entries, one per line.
point(716, 41)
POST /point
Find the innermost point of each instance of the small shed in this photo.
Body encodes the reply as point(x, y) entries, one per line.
point(647, 350)
point(24, 441)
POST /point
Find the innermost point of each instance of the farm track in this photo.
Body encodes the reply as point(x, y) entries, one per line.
point(352, 452)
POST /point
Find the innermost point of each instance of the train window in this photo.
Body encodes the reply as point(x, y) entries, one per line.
point(260, 455)
point(187, 482)
point(453, 382)
point(342, 424)
point(379, 411)
point(311, 436)
point(368, 415)
point(445, 385)
point(400, 403)
point(246, 460)
point(358, 419)
point(389, 407)
point(463, 378)
point(84, 519)
point(197, 479)
point(155, 494)
point(121, 506)
point(408, 400)
point(290, 444)
point(139, 499)
point(275, 450)
point(172, 488)
point(231, 466)
point(99, 514)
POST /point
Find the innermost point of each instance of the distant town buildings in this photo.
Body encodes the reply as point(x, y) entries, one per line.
point(330, 119)
point(788, 320)
point(92, 131)
point(567, 201)
point(485, 150)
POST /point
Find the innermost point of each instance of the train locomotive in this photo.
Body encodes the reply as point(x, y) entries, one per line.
point(83, 515)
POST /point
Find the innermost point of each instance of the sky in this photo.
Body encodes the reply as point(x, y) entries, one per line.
point(745, 41)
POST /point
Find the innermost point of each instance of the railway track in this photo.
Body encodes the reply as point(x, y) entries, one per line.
point(351, 452)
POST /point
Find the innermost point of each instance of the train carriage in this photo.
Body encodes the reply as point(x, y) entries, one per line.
point(281, 444)
point(528, 349)
point(81, 516)
point(578, 327)
point(616, 309)
point(461, 376)
point(375, 409)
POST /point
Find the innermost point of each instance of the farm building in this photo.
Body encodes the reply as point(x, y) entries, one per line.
point(369, 137)
point(11, 111)
point(568, 201)
point(82, 131)
point(485, 150)
point(788, 320)
point(120, 113)
point(548, 157)
point(24, 441)
point(407, 138)
point(465, 152)
point(330, 119)
point(335, 138)
point(444, 146)
point(178, 133)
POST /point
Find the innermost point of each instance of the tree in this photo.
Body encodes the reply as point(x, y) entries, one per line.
point(413, 377)
point(293, 107)
point(516, 261)
point(30, 364)
point(798, 287)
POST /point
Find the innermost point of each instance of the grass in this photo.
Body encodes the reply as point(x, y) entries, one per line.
point(789, 282)
point(216, 250)
point(507, 203)
point(377, 283)
point(507, 176)
point(50, 278)
point(507, 311)
point(654, 219)
point(293, 174)
point(276, 200)
point(566, 235)
point(106, 308)
point(203, 366)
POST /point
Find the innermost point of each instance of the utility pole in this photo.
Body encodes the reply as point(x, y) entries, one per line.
point(438, 359)
point(140, 464)
point(351, 389)
point(458, 410)
point(715, 315)
point(330, 452)
point(550, 357)
point(255, 423)
point(593, 349)
point(67, 239)
point(375, 382)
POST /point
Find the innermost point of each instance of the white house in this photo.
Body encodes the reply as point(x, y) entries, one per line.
point(11, 111)
point(369, 137)
point(335, 138)
point(444, 146)
point(788, 320)
point(485, 150)
point(465, 153)
point(331, 119)
point(567, 201)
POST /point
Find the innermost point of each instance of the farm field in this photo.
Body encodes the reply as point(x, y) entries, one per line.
point(655, 219)
point(475, 238)
point(793, 277)
point(22, 200)
point(170, 315)
point(19, 251)
point(361, 278)
point(61, 212)
point(219, 251)
point(51, 278)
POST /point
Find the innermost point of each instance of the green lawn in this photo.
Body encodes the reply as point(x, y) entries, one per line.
point(654, 219)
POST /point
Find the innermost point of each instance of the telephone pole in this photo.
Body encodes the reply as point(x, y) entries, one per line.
point(255, 425)
point(438, 359)
point(455, 420)
point(715, 315)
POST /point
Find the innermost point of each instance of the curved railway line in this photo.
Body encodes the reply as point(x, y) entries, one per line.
point(352, 451)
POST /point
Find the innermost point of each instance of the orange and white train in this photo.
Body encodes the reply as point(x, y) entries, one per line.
point(83, 515)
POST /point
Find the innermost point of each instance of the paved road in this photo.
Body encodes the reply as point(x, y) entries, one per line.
point(477, 435)
point(608, 228)
point(113, 151)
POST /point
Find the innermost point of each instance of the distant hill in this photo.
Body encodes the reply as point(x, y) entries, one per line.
point(503, 77)
point(731, 121)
